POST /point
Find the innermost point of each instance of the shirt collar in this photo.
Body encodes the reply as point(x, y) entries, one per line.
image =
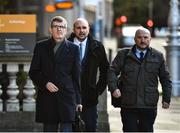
point(77, 42)
point(139, 51)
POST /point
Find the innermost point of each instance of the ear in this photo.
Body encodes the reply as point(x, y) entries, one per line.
point(66, 31)
point(50, 30)
point(150, 38)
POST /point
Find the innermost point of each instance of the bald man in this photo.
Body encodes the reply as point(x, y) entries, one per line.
point(93, 58)
point(140, 67)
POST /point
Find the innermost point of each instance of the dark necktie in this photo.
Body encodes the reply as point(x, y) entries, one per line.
point(80, 49)
point(141, 56)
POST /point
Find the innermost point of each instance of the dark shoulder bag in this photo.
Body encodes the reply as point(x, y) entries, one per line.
point(116, 102)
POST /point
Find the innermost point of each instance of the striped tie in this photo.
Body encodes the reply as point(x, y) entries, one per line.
point(141, 56)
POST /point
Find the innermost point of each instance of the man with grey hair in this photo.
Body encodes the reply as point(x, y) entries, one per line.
point(55, 70)
point(139, 69)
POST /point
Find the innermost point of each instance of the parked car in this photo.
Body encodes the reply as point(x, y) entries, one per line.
point(127, 36)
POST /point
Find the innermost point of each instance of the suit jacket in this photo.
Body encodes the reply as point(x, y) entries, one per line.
point(92, 84)
point(62, 69)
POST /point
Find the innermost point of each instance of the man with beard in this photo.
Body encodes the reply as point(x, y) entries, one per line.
point(93, 58)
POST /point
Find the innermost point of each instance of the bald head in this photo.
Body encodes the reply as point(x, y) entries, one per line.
point(142, 38)
point(80, 20)
point(142, 29)
point(81, 29)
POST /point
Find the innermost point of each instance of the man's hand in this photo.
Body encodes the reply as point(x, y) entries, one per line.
point(165, 105)
point(116, 93)
point(79, 107)
point(51, 87)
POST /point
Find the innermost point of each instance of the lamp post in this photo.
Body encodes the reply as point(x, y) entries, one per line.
point(150, 14)
point(99, 22)
point(173, 47)
point(81, 9)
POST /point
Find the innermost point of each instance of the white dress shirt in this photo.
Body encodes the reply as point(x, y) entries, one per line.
point(83, 44)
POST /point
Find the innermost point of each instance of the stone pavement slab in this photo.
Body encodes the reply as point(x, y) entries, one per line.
point(166, 120)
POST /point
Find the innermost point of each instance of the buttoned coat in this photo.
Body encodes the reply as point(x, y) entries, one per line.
point(93, 83)
point(139, 80)
point(62, 69)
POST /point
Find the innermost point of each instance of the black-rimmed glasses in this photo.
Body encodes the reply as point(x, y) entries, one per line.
point(58, 26)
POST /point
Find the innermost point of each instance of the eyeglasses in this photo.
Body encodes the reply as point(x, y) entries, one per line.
point(58, 27)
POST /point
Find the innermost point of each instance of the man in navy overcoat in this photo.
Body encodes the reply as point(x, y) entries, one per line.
point(55, 71)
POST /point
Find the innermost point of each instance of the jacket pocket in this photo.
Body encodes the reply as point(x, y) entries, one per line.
point(128, 96)
point(129, 67)
point(151, 96)
point(152, 66)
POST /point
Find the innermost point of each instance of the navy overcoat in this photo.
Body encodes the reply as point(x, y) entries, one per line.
point(62, 69)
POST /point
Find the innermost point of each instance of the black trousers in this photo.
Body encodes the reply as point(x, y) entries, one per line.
point(138, 119)
point(50, 127)
point(64, 127)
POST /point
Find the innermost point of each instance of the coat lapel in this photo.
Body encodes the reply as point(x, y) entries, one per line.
point(86, 53)
point(132, 55)
point(62, 51)
point(151, 55)
point(50, 47)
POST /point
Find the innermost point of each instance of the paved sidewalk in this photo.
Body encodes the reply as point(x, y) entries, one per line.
point(166, 121)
